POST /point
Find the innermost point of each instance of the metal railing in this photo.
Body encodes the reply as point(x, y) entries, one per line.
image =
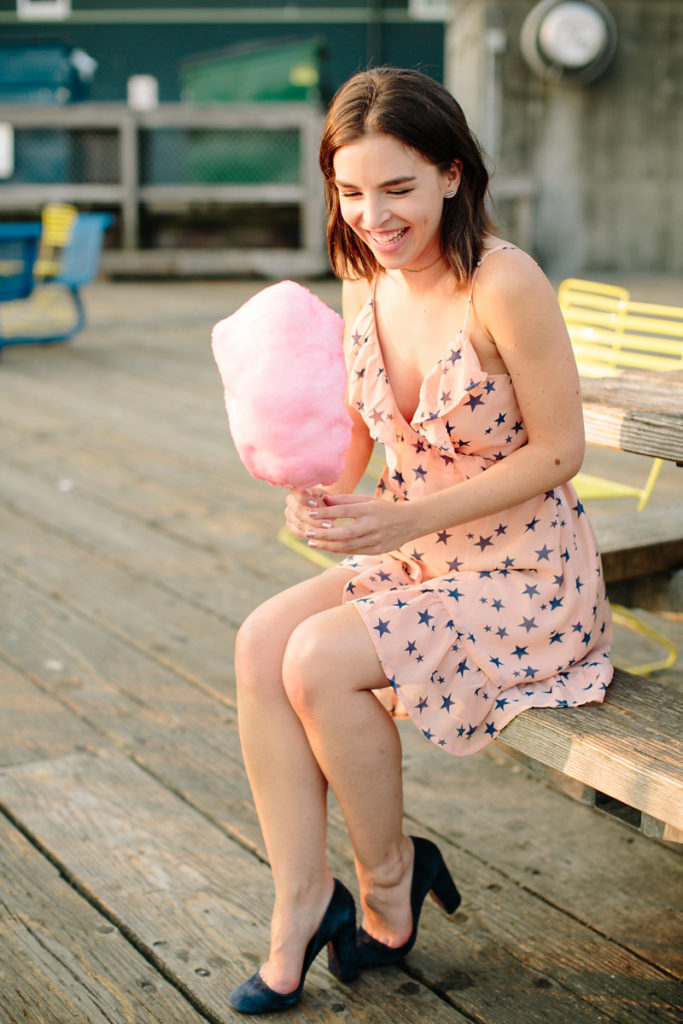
point(107, 155)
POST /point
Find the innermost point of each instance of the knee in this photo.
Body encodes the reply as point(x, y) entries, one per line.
point(303, 666)
point(258, 653)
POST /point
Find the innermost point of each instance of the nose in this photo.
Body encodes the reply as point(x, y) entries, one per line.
point(375, 212)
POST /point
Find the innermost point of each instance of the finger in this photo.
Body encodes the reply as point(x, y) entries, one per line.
point(346, 499)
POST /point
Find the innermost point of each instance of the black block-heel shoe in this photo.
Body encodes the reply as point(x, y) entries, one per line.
point(337, 931)
point(430, 874)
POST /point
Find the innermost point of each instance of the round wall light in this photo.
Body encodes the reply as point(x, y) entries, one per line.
point(568, 39)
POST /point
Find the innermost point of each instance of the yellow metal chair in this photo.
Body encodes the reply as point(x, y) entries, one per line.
point(611, 333)
point(57, 222)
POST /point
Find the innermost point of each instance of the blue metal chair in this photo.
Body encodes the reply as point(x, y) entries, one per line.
point(18, 251)
point(35, 310)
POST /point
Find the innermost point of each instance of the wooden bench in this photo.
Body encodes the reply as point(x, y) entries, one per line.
point(610, 334)
point(624, 756)
point(634, 544)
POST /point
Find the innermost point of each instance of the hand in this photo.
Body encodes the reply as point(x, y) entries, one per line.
point(350, 523)
point(298, 508)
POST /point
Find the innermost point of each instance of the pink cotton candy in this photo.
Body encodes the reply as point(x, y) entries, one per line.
point(281, 361)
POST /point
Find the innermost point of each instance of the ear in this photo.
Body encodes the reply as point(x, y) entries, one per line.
point(453, 178)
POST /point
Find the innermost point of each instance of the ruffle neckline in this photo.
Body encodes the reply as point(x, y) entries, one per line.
point(452, 381)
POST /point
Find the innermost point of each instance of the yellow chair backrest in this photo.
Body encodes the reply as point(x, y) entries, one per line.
point(57, 221)
point(652, 337)
point(594, 314)
point(610, 332)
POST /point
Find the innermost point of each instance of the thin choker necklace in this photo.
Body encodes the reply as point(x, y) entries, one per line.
point(409, 270)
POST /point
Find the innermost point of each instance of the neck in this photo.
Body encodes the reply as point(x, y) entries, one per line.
point(420, 270)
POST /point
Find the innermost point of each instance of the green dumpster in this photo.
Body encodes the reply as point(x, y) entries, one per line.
point(285, 71)
point(288, 71)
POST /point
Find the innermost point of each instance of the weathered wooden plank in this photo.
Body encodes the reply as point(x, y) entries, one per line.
point(63, 961)
point(33, 725)
point(646, 704)
point(190, 898)
point(195, 641)
point(640, 543)
point(606, 875)
point(197, 572)
point(241, 537)
point(642, 769)
point(642, 419)
point(196, 754)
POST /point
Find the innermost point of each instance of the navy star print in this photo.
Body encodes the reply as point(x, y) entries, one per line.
point(475, 623)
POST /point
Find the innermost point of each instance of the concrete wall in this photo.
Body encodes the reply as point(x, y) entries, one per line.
point(606, 157)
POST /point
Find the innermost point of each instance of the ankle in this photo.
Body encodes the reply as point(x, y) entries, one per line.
point(302, 897)
point(385, 896)
point(391, 872)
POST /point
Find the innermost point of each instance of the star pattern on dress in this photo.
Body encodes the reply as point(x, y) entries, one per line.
point(474, 623)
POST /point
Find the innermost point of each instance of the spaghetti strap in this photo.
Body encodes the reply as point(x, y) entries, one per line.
point(496, 248)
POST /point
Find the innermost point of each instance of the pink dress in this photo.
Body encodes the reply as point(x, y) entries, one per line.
point(474, 623)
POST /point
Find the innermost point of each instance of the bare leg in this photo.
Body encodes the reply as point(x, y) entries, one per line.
point(289, 789)
point(330, 668)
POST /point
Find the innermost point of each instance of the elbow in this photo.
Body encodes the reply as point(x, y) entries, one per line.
point(569, 461)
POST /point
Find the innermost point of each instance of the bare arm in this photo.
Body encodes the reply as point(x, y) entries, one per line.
point(516, 305)
point(354, 295)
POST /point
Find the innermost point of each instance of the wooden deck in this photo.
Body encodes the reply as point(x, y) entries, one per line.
point(133, 882)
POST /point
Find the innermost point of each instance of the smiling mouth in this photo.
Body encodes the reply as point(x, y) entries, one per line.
point(388, 239)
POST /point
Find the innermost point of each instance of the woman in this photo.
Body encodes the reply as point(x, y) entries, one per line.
point(473, 586)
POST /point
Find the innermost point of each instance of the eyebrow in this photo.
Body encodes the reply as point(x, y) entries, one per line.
point(385, 184)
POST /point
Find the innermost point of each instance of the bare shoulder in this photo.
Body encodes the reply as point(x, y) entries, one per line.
point(517, 306)
point(510, 274)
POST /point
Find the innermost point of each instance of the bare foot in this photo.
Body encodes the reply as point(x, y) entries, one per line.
point(290, 933)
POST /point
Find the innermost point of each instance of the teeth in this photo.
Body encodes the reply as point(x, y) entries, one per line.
point(388, 239)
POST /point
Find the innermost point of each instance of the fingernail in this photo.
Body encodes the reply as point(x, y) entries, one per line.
point(327, 523)
point(312, 544)
point(309, 533)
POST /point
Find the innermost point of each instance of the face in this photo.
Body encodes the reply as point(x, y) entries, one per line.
point(393, 199)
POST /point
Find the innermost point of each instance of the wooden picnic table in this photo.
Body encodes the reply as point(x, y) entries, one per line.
point(636, 411)
point(133, 879)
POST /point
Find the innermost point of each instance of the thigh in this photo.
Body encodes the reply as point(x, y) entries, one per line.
point(333, 648)
point(266, 631)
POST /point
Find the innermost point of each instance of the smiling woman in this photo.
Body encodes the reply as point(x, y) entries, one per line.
point(472, 588)
point(433, 130)
point(398, 219)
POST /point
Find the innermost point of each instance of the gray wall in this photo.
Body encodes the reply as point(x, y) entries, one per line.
point(606, 157)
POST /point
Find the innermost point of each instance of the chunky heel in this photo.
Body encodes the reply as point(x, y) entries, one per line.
point(342, 958)
point(444, 890)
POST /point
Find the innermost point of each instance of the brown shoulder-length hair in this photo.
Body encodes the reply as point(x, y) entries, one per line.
point(421, 114)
